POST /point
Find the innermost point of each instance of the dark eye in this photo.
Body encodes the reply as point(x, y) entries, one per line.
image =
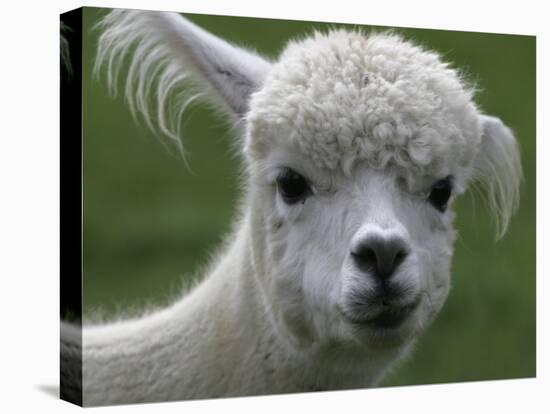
point(440, 194)
point(292, 186)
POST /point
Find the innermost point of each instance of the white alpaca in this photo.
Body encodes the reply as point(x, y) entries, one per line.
point(355, 147)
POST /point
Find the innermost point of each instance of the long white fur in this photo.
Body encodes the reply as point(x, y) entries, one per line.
point(165, 55)
point(498, 168)
point(372, 122)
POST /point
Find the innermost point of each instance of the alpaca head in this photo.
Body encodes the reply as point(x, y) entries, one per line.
point(356, 147)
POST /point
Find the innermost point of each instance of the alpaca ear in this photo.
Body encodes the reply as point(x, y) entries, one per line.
point(163, 51)
point(498, 169)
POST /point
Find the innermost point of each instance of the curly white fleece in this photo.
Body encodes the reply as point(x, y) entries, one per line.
point(343, 97)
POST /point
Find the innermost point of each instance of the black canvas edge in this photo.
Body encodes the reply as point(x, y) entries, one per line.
point(71, 195)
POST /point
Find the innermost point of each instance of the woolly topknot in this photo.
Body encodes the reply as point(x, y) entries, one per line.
point(344, 97)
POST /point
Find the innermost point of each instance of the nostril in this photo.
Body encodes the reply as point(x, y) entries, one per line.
point(400, 257)
point(379, 255)
point(365, 258)
point(368, 255)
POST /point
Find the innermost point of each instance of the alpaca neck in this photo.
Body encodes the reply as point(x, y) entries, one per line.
point(196, 348)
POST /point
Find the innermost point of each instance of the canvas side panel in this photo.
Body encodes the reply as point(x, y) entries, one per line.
point(71, 206)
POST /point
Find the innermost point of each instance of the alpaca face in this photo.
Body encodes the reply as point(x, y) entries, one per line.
point(354, 257)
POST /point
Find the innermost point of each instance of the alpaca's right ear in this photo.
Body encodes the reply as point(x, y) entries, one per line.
point(164, 51)
point(498, 169)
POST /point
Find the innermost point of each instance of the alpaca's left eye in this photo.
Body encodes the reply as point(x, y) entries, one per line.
point(292, 186)
point(440, 194)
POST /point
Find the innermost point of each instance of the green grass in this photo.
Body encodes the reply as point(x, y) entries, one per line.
point(150, 222)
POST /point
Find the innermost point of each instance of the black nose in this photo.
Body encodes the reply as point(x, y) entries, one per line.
point(380, 255)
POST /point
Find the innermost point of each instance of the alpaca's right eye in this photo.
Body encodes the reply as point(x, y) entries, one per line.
point(292, 186)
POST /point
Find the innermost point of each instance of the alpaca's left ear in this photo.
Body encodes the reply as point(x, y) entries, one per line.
point(498, 168)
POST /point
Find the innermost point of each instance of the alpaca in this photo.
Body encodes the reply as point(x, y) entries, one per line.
point(355, 147)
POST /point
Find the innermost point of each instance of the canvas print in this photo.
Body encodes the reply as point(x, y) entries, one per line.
point(259, 206)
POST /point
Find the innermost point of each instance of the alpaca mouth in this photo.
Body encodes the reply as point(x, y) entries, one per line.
point(382, 316)
point(391, 317)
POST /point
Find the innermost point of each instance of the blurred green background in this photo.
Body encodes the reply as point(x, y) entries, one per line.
point(151, 222)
